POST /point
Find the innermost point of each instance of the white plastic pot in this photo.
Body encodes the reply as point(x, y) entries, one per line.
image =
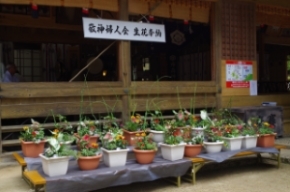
point(158, 136)
point(249, 141)
point(231, 144)
point(172, 152)
point(115, 158)
point(54, 166)
point(213, 147)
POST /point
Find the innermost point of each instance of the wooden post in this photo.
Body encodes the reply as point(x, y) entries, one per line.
point(216, 48)
point(0, 126)
point(124, 61)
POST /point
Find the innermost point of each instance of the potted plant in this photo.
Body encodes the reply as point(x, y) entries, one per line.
point(63, 131)
point(181, 118)
point(173, 147)
point(89, 155)
point(157, 126)
point(133, 127)
point(145, 148)
point(193, 146)
point(266, 135)
point(249, 134)
point(89, 128)
point(114, 147)
point(56, 157)
point(197, 124)
point(232, 137)
point(32, 139)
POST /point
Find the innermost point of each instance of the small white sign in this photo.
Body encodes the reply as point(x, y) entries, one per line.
point(253, 87)
point(123, 30)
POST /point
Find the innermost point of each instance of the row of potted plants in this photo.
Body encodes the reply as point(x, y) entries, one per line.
point(184, 132)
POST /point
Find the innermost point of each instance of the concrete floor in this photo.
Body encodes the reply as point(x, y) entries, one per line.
point(246, 178)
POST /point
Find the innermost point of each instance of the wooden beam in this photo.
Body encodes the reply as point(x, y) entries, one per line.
point(272, 20)
point(108, 5)
point(276, 40)
point(179, 11)
point(64, 108)
point(29, 35)
point(41, 22)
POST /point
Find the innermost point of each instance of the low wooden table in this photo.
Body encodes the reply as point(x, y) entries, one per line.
point(198, 163)
point(103, 176)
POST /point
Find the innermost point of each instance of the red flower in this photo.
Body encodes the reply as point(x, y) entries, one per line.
point(272, 126)
point(86, 137)
point(33, 133)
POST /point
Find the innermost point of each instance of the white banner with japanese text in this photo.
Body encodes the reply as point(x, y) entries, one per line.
point(123, 30)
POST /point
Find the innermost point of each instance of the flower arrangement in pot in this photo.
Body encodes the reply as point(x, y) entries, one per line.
point(193, 146)
point(157, 126)
point(133, 126)
point(173, 147)
point(266, 134)
point(55, 159)
point(213, 133)
point(32, 139)
point(145, 148)
point(249, 133)
point(89, 155)
point(63, 130)
point(114, 147)
point(181, 118)
point(89, 128)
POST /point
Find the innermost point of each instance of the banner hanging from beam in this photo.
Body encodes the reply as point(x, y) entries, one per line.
point(123, 30)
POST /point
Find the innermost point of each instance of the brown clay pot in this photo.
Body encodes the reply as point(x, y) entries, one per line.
point(31, 149)
point(131, 136)
point(144, 156)
point(192, 150)
point(94, 139)
point(267, 140)
point(89, 163)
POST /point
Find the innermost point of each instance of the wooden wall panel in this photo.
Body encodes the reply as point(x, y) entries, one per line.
point(238, 30)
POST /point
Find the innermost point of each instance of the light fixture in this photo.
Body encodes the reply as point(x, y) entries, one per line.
point(104, 73)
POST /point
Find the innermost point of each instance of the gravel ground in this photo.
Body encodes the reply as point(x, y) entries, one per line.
point(253, 178)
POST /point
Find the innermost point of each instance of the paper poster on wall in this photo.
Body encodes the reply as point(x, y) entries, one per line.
point(238, 73)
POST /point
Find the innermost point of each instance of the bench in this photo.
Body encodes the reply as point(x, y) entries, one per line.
point(198, 163)
point(33, 178)
point(37, 181)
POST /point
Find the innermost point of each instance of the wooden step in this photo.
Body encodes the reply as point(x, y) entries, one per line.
point(19, 159)
point(35, 178)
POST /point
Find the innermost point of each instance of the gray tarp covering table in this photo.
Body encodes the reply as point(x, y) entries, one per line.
point(102, 177)
point(220, 157)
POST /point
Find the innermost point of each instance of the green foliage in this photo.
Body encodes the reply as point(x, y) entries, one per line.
point(145, 142)
point(173, 136)
point(55, 148)
point(113, 139)
point(157, 121)
point(34, 132)
point(87, 148)
point(135, 123)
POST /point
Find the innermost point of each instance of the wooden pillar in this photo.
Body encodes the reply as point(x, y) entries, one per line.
point(124, 62)
point(216, 48)
point(0, 126)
